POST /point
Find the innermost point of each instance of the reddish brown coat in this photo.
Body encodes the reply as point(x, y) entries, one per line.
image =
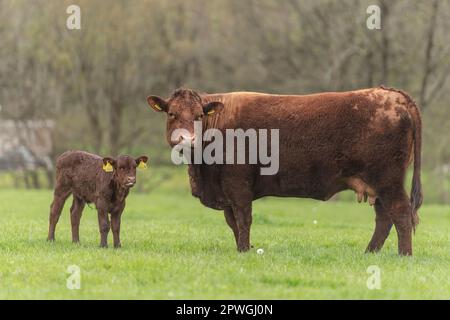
point(362, 140)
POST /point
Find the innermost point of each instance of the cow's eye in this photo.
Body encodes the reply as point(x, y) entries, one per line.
point(171, 115)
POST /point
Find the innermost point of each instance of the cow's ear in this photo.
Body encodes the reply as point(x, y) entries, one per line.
point(212, 108)
point(109, 164)
point(157, 103)
point(141, 162)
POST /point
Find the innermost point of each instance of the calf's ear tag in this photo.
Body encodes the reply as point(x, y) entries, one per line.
point(157, 106)
point(211, 112)
point(142, 165)
point(108, 167)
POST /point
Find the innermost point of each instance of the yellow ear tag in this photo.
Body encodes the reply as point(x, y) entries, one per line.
point(157, 106)
point(142, 165)
point(211, 112)
point(108, 167)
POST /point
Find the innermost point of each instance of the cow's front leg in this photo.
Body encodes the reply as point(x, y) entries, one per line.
point(243, 217)
point(229, 218)
point(104, 226)
point(237, 182)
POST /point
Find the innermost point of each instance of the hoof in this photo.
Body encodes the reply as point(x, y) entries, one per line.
point(244, 249)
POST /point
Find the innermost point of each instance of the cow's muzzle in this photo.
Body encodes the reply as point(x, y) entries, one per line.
point(131, 181)
point(184, 140)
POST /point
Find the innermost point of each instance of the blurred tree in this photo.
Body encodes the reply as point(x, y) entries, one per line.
point(93, 82)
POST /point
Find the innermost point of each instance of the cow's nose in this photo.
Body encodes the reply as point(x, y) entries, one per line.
point(187, 139)
point(131, 179)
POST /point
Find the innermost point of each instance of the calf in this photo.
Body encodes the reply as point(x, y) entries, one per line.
point(360, 140)
point(105, 182)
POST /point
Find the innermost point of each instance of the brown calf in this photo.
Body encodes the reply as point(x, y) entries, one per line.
point(105, 182)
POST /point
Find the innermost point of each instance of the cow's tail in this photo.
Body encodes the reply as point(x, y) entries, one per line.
point(416, 187)
point(416, 196)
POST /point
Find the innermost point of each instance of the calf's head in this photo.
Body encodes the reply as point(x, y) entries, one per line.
point(182, 109)
point(123, 169)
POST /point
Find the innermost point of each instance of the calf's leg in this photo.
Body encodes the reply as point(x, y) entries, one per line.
point(75, 216)
point(104, 226)
point(383, 225)
point(231, 221)
point(59, 198)
point(115, 226)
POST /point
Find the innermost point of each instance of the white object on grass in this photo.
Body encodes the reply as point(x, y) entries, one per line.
point(260, 251)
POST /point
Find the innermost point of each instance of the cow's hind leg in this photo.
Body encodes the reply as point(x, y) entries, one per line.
point(75, 216)
point(59, 198)
point(396, 204)
point(383, 225)
point(231, 221)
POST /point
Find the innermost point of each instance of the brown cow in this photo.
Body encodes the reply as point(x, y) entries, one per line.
point(362, 140)
point(105, 182)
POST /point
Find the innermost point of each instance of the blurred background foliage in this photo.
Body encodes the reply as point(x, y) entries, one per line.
point(93, 82)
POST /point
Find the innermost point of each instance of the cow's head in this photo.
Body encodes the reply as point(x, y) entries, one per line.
point(124, 169)
point(182, 109)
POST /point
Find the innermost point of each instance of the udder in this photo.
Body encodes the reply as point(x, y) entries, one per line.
point(362, 190)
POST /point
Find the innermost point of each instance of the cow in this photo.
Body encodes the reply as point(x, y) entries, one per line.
point(362, 140)
point(90, 178)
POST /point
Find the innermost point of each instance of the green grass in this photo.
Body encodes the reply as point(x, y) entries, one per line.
point(175, 248)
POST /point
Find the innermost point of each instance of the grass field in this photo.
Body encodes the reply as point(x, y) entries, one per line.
point(174, 248)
